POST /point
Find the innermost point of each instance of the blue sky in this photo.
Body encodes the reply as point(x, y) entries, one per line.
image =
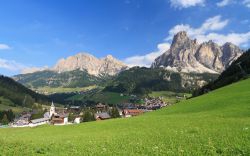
point(37, 33)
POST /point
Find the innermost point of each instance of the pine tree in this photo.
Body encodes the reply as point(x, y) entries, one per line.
point(5, 120)
point(88, 116)
point(114, 113)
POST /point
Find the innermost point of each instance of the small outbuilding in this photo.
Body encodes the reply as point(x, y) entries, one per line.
point(77, 120)
point(102, 116)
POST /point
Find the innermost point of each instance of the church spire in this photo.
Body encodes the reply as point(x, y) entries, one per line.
point(52, 109)
point(52, 104)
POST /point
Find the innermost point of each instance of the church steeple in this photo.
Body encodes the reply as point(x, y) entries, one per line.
point(52, 109)
point(52, 104)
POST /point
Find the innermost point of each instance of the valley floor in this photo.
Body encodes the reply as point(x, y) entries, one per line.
point(217, 123)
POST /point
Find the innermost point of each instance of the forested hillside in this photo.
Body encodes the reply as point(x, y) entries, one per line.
point(144, 80)
point(18, 94)
point(70, 79)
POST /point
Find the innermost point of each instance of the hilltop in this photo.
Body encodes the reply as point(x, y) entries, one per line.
point(217, 123)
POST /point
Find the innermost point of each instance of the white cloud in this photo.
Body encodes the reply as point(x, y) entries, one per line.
point(239, 39)
point(246, 3)
point(146, 60)
point(211, 24)
point(16, 67)
point(4, 46)
point(223, 3)
point(11, 65)
point(207, 30)
point(186, 3)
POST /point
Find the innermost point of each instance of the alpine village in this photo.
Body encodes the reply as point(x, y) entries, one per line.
point(193, 98)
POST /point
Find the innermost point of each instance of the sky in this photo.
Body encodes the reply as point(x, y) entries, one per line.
point(35, 34)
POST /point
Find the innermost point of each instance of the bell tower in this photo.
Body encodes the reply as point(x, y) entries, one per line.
point(52, 110)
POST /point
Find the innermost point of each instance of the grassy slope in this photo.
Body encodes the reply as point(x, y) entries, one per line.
point(212, 124)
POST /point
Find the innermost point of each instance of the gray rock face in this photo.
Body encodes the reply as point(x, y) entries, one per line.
point(186, 55)
point(230, 52)
point(94, 66)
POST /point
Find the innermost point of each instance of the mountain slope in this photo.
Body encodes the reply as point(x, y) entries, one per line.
point(238, 70)
point(143, 80)
point(213, 124)
point(70, 79)
point(18, 94)
point(187, 55)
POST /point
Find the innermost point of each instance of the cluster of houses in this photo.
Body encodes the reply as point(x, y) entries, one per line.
point(60, 116)
point(154, 103)
point(103, 112)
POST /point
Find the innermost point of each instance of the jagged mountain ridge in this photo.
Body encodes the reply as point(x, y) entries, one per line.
point(94, 66)
point(186, 55)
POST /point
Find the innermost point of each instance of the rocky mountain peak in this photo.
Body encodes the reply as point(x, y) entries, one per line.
point(109, 57)
point(94, 66)
point(230, 52)
point(187, 55)
point(180, 36)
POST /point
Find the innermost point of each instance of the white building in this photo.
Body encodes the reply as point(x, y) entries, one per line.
point(52, 110)
point(77, 120)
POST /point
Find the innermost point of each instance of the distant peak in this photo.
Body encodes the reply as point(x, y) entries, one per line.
point(229, 44)
point(109, 57)
point(181, 33)
point(180, 36)
point(210, 41)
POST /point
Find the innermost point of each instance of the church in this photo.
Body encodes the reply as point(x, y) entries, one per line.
point(53, 116)
point(59, 117)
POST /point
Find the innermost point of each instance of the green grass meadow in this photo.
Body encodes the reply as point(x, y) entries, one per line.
point(217, 123)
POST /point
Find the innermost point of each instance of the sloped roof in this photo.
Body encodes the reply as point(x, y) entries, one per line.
point(39, 120)
point(134, 110)
point(46, 115)
point(103, 115)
